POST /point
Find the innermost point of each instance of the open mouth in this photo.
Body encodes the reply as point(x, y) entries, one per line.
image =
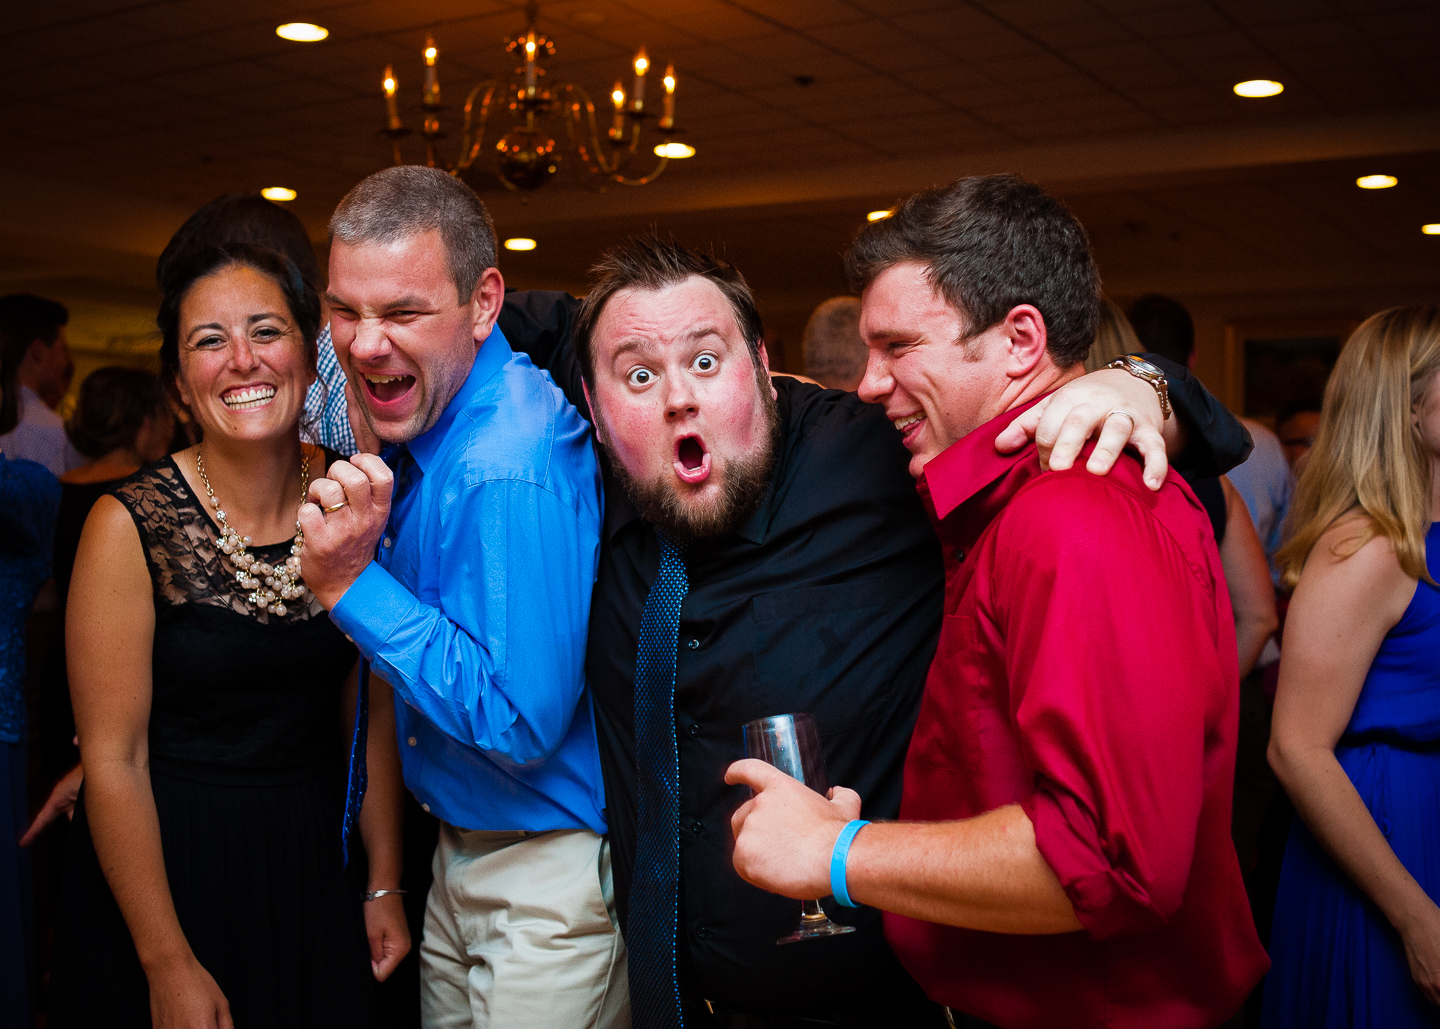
point(388, 388)
point(692, 460)
point(909, 426)
point(247, 398)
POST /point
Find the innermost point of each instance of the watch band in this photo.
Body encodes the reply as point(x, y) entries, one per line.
point(838, 857)
point(1147, 372)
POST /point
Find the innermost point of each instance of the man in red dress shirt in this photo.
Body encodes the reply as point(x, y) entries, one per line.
point(1063, 856)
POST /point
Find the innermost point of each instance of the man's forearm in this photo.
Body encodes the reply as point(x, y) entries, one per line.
point(981, 873)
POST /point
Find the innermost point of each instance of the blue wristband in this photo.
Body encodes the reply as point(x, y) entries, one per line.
point(838, 857)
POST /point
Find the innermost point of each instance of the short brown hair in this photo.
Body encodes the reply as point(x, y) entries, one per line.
point(409, 200)
point(650, 263)
point(989, 243)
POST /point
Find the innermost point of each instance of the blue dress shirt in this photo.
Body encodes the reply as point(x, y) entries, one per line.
point(477, 607)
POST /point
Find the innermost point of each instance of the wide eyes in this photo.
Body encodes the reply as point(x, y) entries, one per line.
point(704, 363)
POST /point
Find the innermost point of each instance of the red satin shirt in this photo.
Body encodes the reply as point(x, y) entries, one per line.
point(1086, 671)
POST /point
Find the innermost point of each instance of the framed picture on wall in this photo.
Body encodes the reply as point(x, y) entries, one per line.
point(1273, 363)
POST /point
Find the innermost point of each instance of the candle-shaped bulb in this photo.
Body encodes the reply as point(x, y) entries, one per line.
point(432, 79)
point(392, 115)
point(617, 128)
point(530, 56)
point(667, 119)
point(642, 64)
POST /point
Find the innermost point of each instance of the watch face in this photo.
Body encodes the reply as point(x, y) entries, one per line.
point(1142, 365)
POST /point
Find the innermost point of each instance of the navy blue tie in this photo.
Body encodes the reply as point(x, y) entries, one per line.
point(655, 892)
point(356, 780)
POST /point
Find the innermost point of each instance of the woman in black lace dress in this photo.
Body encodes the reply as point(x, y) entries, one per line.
point(204, 884)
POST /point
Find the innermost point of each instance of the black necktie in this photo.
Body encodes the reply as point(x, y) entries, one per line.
point(655, 894)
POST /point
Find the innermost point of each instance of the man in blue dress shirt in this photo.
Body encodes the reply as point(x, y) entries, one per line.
point(475, 609)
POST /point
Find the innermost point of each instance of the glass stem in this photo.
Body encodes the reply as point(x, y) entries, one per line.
point(811, 911)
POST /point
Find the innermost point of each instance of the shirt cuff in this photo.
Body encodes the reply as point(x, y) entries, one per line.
point(373, 606)
point(1107, 900)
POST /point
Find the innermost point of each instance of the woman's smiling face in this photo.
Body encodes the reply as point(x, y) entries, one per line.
point(244, 368)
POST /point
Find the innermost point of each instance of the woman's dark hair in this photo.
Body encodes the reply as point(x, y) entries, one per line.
point(239, 218)
point(113, 404)
point(300, 295)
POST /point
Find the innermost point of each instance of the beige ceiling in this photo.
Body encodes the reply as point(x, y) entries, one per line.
point(119, 118)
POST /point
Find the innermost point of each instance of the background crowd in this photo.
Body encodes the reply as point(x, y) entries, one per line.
point(262, 729)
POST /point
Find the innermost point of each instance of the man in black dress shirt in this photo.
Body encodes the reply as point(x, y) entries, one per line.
point(815, 584)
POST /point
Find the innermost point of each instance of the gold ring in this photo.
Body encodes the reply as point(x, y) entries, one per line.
point(334, 507)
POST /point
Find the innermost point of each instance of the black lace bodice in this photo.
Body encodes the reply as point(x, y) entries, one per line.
point(234, 689)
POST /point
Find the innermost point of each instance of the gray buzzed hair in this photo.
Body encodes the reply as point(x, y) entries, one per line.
point(407, 200)
point(835, 355)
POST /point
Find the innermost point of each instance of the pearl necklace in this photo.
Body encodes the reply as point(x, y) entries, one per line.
point(281, 582)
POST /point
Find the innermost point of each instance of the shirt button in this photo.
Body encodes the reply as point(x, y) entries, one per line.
point(959, 554)
point(701, 933)
point(693, 644)
point(411, 741)
point(693, 729)
point(696, 828)
point(425, 808)
point(385, 542)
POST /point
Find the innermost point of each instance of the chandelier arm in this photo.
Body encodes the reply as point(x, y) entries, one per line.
point(469, 150)
point(598, 165)
point(644, 180)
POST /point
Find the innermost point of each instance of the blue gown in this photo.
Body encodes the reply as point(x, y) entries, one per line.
point(1336, 960)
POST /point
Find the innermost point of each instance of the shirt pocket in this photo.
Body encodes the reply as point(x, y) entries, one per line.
point(819, 650)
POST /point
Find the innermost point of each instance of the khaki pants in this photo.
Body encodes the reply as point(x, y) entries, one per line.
point(520, 932)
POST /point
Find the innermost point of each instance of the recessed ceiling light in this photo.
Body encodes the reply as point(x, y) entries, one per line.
point(675, 151)
point(301, 32)
point(519, 243)
point(1376, 181)
point(277, 193)
point(1433, 229)
point(1258, 87)
point(875, 216)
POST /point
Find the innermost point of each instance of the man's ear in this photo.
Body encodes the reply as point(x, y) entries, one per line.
point(764, 358)
point(486, 301)
point(594, 414)
point(1024, 328)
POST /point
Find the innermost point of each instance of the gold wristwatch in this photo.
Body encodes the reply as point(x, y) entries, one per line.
point(1147, 372)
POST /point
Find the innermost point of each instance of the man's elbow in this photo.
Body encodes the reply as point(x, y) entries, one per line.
point(524, 743)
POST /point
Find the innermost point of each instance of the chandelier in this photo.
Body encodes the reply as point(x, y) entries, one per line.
point(525, 157)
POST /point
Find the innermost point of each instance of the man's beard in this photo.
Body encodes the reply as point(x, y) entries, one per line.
point(665, 502)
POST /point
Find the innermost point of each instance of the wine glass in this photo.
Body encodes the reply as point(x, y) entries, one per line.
point(792, 744)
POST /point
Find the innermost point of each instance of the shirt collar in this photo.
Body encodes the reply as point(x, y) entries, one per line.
point(491, 356)
point(971, 463)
